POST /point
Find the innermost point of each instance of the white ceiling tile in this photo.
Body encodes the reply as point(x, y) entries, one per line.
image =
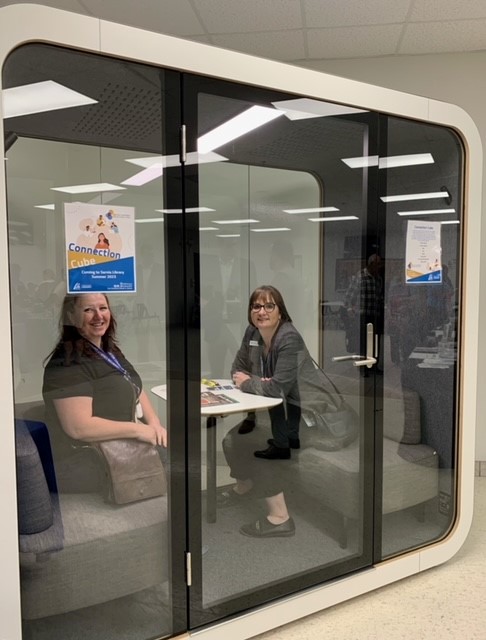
point(341, 13)
point(439, 37)
point(434, 10)
point(175, 17)
point(276, 45)
point(231, 16)
point(353, 42)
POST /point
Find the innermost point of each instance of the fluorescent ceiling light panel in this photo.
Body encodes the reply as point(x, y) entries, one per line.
point(208, 228)
point(89, 188)
point(142, 220)
point(425, 212)
point(416, 196)
point(389, 162)
point(304, 108)
point(267, 230)
point(39, 97)
point(145, 176)
point(311, 210)
point(450, 221)
point(228, 235)
point(51, 207)
point(236, 127)
point(333, 219)
point(245, 221)
point(188, 210)
point(173, 161)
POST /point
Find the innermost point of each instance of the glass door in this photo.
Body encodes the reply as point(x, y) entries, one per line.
point(278, 203)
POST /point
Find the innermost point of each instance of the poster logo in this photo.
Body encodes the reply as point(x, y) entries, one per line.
point(100, 248)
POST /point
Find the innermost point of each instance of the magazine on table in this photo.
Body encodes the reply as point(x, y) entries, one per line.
point(208, 398)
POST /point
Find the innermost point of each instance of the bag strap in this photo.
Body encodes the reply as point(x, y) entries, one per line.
point(333, 385)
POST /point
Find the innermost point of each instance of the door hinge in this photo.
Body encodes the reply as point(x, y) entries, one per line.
point(188, 569)
point(183, 144)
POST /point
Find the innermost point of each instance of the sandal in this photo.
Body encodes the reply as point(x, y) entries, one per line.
point(263, 528)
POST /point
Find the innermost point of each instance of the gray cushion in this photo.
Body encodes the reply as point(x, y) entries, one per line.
point(35, 512)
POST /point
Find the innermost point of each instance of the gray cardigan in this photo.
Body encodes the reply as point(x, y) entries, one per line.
point(294, 376)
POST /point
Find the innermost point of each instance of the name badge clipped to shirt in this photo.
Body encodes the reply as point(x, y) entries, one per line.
point(253, 343)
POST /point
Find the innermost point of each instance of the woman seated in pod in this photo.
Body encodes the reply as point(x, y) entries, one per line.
point(92, 393)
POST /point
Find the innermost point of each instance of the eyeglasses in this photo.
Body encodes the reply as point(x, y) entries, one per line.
point(268, 306)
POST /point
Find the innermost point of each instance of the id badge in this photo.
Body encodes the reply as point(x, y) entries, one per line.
point(138, 410)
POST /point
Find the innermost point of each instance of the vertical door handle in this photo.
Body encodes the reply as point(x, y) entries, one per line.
point(370, 359)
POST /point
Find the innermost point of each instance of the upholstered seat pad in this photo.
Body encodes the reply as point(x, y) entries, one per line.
point(410, 476)
point(108, 552)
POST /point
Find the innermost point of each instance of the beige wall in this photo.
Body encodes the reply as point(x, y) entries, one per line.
point(454, 78)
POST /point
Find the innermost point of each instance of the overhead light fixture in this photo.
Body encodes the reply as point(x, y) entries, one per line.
point(145, 176)
point(187, 210)
point(40, 97)
point(304, 108)
point(142, 220)
point(389, 162)
point(236, 127)
point(425, 212)
point(243, 221)
point(267, 230)
point(89, 188)
point(311, 210)
point(450, 222)
point(416, 196)
point(208, 229)
point(51, 207)
point(193, 157)
point(333, 219)
point(228, 235)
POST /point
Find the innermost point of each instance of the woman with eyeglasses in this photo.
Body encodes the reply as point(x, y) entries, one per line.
point(271, 361)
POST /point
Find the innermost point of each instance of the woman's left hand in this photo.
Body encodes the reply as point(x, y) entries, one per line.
point(239, 377)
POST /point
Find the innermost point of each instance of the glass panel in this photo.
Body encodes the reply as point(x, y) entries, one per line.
point(86, 564)
point(422, 280)
point(279, 208)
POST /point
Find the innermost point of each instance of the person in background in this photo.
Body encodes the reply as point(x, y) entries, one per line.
point(92, 393)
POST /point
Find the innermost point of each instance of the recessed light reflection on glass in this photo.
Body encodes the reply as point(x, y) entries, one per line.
point(228, 235)
point(269, 230)
point(146, 175)
point(39, 97)
point(247, 121)
point(142, 220)
point(89, 188)
point(389, 162)
point(333, 218)
point(50, 207)
point(187, 210)
point(242, 221)
point(450, 222)
point(305, 108)
point(311, 210)
point(193, 157)
point(416, 196)
point(208, 229)
point(425, 212)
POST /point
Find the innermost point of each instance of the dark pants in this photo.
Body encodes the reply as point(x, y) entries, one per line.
point(285, 419)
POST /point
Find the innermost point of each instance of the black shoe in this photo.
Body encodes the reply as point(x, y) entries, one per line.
point(264, 529)
point(294, 443)
point(246, 426)
point(273, 453)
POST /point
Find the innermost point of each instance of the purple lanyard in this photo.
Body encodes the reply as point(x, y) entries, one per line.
point(111, 359)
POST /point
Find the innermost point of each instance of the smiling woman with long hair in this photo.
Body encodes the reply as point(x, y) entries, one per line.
point(92, 392)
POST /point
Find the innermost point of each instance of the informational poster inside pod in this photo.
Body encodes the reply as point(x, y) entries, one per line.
point(100, 248)
point(423, 253)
